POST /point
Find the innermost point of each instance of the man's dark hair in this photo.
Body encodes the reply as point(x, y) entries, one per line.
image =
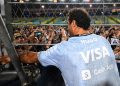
point(81, 17)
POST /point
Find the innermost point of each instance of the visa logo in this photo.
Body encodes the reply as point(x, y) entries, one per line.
point(95, 54)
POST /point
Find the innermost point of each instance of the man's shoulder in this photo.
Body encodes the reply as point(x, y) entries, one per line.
point(63, 44)
point(60, 46)
point(100, 37)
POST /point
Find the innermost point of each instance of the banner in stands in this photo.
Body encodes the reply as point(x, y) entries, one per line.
point(115, 41)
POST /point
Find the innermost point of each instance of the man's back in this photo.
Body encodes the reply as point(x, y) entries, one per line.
point(88, 61)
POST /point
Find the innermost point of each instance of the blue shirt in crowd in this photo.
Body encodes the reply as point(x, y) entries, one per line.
point(83, 61)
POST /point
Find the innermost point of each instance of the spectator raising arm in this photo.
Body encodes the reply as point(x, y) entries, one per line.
point(52, 34)
point(64, 36)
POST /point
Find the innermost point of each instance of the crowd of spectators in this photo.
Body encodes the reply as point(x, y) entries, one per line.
point(41, 38)
point(38, 38)
point(39, 34)
point(48, 35)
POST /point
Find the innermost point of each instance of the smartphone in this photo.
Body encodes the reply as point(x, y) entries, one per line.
point(37, 34)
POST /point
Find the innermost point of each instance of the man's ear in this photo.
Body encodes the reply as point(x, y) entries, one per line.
point(73, 23)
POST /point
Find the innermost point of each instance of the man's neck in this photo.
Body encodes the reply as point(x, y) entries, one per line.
point(81, 32)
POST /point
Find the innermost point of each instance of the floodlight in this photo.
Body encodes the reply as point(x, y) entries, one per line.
point(114, 5)
point(43, 6)
point(66, 6)
point(90, 5)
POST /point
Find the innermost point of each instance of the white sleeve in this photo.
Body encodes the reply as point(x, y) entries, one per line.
point(50, 56)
